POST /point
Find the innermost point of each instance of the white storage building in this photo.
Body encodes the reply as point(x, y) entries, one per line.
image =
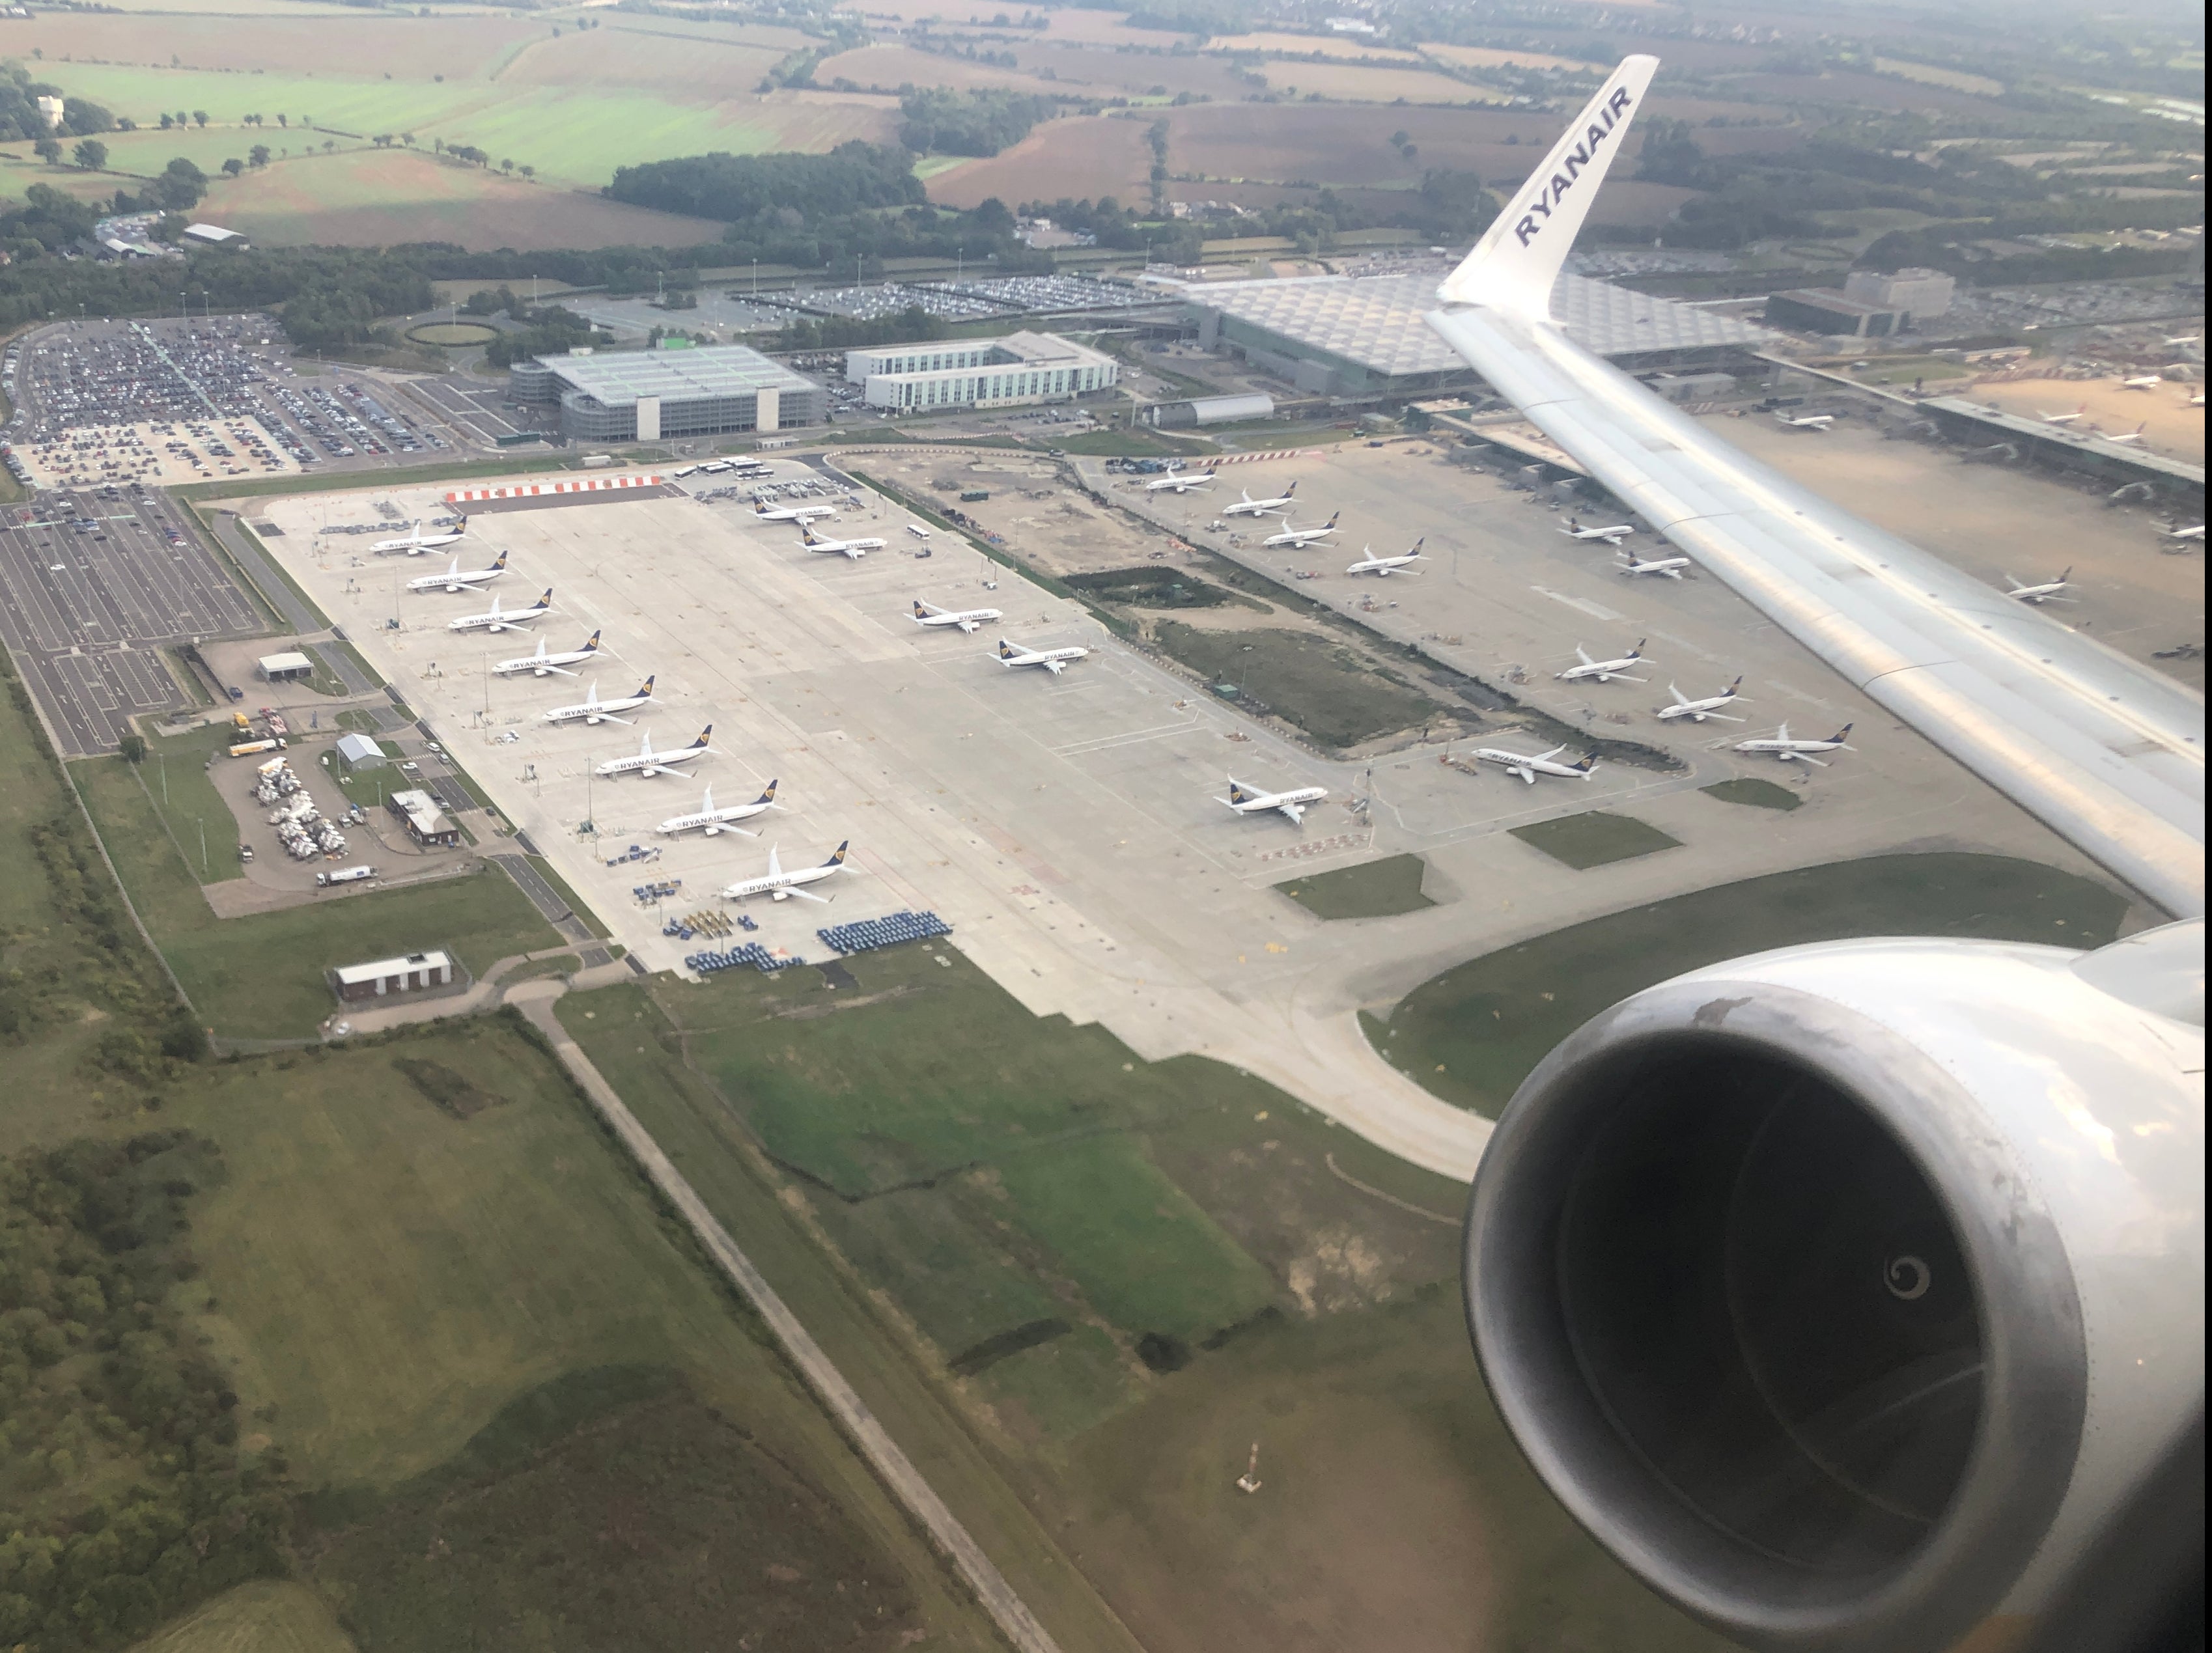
point(385, 977)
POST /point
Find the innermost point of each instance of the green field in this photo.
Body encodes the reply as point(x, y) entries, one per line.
point(1371, 890)
point(1754, 793)
point(261, 976)
point(1595, 839)
point(1471, 1033)
point(574, 133)
point(266, 1616)
point(1321, 687)
point(1048, 1200)
point(182, 788)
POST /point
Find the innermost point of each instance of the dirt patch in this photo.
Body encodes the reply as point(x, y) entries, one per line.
point(448, 1091)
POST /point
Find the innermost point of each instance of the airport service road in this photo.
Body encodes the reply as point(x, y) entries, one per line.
point(1065, 827)
point(86, 610)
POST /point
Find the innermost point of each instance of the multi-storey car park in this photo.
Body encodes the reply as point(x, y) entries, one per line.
point(647, 396)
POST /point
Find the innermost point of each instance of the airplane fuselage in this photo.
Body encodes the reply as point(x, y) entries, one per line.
point(1529, 768)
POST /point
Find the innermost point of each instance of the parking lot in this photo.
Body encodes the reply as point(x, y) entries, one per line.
point(1069, 827)
point(91, 590)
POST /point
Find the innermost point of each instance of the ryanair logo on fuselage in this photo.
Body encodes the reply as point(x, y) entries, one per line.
point(1550, 191)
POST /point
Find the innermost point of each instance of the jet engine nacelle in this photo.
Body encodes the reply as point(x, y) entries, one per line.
point(1843, 1292)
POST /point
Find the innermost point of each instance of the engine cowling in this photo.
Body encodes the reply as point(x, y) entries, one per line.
point(1843, 1291)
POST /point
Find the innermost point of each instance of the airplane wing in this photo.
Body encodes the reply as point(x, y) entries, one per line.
point(1296, 812)
point(1055, 666)
point(2106, 752)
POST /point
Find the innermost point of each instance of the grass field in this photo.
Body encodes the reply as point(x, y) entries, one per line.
point(1471, 1033)
point(266, 1616)
point(1359, 83)
point(184, 792)
point(1176, 1194)
point(1319, 686)
point(1754, 793)
point(570, 132)
point(1080, 156)
point(1371, 890)
point(372, 197)
point(261, 976)
point(1595, 839)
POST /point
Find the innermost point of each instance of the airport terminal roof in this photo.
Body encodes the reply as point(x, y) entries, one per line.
point(1376, 320)
point(618, 378)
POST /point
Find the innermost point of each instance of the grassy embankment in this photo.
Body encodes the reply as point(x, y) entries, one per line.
point(1471, 1033)
point(511, 1395)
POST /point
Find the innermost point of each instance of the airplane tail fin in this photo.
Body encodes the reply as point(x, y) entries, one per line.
point(705, 735)
point(837, 855)
point(1005, 649)
point(1291, 492)
point(1637, 653)
point(644, 689)
point(767, 796)
point(1733, 686)
point(1839, 737)
point(1514, 265)
point(1585, 766)
point(500, 561)
point(1333, 516)
point(1237, 794)
point(546, 601)
point(591, 644)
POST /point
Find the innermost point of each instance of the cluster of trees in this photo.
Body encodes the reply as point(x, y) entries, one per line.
point(1199, 17)
point(784, 190)
point(93, 1243)
point(20, 118)
point(943, 121)
point(859, 202)
point(939, 121)
point(552, 330)
point(851, 332)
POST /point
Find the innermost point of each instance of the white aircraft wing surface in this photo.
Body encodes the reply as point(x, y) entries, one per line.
point(2107, 752)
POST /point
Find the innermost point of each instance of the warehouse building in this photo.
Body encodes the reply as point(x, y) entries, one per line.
point(414, 974)
point(1017, 371)
point(426, 822)
point(1361, 336)
point(359, 752)
point(650, 396)
point(285, 668)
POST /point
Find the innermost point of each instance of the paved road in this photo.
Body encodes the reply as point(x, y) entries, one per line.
point(1015, 1621)
point(548, 900)
point(290, 607)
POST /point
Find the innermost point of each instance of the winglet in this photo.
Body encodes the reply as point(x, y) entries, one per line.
point(1514, 266)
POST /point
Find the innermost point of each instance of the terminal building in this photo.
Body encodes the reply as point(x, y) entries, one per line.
point(1017, 371)
point(1364, 335)
point(1870, 306)
point(650, 396)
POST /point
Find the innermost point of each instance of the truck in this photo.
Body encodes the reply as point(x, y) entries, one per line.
point(239, 719)
point(974, 496)
point(247, 748)
point(345, 875)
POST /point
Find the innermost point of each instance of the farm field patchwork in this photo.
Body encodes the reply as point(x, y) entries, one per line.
point(1471, 1033)
point(887, 68)
point(1359, 83)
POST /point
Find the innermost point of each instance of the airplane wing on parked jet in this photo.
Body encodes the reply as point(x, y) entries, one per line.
point(2108, 753)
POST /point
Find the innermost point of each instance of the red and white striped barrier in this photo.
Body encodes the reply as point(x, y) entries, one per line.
point(1247, 458)
point(532, 490)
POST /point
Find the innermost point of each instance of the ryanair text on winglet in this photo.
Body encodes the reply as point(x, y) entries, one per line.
point(1549, 191)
